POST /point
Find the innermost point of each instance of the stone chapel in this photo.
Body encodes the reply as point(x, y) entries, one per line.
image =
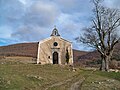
point(54, 49)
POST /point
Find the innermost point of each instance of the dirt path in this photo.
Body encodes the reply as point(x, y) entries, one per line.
point(58, 84)
point(77, 85)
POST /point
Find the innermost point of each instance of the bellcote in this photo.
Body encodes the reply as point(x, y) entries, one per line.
point(55, 32)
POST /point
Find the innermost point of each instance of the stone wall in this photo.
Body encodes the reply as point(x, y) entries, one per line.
point(47, 48)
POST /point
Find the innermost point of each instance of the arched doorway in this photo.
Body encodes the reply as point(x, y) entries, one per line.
point(55, 58)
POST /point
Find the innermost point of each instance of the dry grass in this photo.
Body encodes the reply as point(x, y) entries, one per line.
point(16, 75)
point(17, 59)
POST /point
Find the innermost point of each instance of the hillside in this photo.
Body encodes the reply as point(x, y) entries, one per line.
point(95, 55)
point(21, 49)
point(93, 58)
point(29, 49)
point(78, 53)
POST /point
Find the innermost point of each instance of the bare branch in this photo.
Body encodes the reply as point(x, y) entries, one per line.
point(102, 35)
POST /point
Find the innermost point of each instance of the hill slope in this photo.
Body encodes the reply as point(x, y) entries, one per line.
point(55, 77)
point(95, 55)
point(21, 49)
point(29, 49)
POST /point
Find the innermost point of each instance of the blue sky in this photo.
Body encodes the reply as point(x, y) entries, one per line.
point(33, 20)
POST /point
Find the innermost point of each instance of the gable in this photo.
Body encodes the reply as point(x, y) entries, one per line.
point(45, 40)
point(65, 40)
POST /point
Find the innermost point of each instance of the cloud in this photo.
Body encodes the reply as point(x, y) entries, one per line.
point(42, 13)
point(70, 25)
point(112, 3)
point(30, 23)
point(5, 31)
point(11, 9)
point(27, 33)
point(33, 20)
point(73, 6)
point(23, 1)
point(37, 19)
point(7, 41)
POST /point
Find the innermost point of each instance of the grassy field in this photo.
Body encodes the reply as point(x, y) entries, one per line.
point(19, 76)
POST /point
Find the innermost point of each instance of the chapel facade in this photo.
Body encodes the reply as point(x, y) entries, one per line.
point(55, 50)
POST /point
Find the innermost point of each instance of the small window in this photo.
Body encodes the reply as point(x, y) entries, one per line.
point(55, 44)
point(48, 57)
point(55, 33)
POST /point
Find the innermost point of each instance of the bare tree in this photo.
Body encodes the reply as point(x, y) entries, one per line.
point(102, 34)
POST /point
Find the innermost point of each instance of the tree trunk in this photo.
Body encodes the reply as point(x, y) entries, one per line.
point(105, 63)
point(102, 67)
